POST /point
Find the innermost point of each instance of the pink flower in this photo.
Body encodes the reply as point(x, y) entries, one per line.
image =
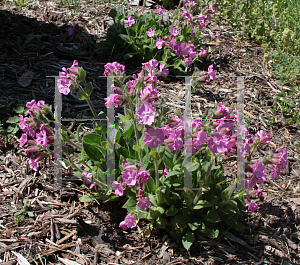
point(144, 203)
point(129, 222)
point(275, 173)
point(144, 177)
point(118, 187)
point(264, 137)
point(42, 138)
point(33, 163)
point(94, 185)
point(130, 21)
point(251, 206)
point(174, 32)
point(201, 138)
point(211, 72)
point(159, 43)
point(151, 32)
point(203, 53)
point(154, 137)
point(23, 139)
point(223, 112)
point(167, 130)
point(73, 70)
point(114, 68)
point(141, 192)
point(165, 172)
point(146, 113)
point(174, 141)
point(130, 177)
point(159, 11)
point(64, 85)
point(186, 15)
point(163, 71)
point(87, 177)
point(283, 158)
point(217, 144)
point(259, 172)
point(110, 100)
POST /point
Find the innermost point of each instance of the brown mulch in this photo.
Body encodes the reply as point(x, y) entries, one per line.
point(63, 230)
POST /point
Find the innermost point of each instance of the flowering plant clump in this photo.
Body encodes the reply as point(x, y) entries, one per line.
point(143, 35)
point(150, 151)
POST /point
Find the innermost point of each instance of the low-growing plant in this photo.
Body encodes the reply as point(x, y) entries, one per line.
point(155, 157)
point(19, 214)
point(142, 35)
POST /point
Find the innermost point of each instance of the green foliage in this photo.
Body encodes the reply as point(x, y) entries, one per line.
point(275, 25)
point(13, 128)
point(19, 215)
point(184, 213)
point(133, 43)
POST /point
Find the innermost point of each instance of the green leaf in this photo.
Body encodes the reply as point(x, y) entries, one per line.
point(202, 204)
point(168, 161)
point(174, 173)
point(92, 146)
point(137, 148)
point(82, 74)
point(14, 119)
point(125, 38)
point(161, 222)
point(177, 233)
point(89, 88)
point(146, 160)
point(113, 13)
point(194, 223)
point(212, 217)
point(82, 96)
point(172, 211)
point(128, 129)
point(188, 197)
point(87, 198)
point(188, 240)
point(127, 56)
point(130, 204)
point(19, 109)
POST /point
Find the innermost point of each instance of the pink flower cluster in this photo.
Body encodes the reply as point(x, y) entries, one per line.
point(67, 78)
point(87, 179)
point(136, 176)
point(44, 137)
point(148, 76)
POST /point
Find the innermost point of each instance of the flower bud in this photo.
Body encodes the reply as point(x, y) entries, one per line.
point(168, 141)
point(39, 157)
point(31, 142)
point(172, 122)
point(223, 131)
point(141, 192)
point(74, 159)
point(33, 149)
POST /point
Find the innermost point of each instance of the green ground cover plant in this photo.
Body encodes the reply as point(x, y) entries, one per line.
point(275, 25)
point(143, 36)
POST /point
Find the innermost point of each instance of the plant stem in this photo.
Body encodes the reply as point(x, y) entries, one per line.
point(89, 101)
point(135, 127)
point(156, 173)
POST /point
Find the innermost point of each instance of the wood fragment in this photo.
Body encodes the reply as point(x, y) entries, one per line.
point(66, 237)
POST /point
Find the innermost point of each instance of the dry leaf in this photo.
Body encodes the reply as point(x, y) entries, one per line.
point(26, 79)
